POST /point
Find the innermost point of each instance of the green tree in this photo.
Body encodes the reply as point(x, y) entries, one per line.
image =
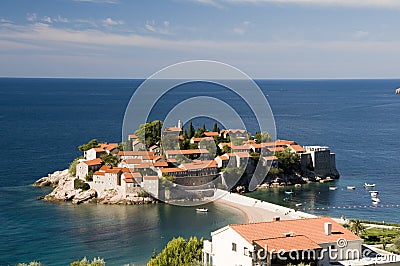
point(179, 252)
point(226, 149)
point(275, 172)
point(110, 160)
point(191, 130)
point(356, 227)
point(72, 166)
point(86, 262)
point(89, 176)
point(215, 127)
point(288, 161)
point(91, 144)
point(199, 132)
point(126, 146)
point(150, 133)
point(262, 137)
point(80, 184)
point(396, 243)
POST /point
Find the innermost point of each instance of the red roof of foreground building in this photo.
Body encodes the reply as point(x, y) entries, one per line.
point(211, 134)
point(313, 228)
point(297, 148)
point(297, 242)
point(187, 152)
point(198, 165)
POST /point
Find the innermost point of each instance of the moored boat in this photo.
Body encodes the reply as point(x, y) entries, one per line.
point(332, 188)
point(377, 200)
point(366, 185)
point(201, 210)
point(351, 187)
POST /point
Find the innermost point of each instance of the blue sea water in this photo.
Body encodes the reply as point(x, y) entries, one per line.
point(42, 121)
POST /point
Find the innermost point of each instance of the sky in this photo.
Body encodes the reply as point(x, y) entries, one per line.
point(136, 38)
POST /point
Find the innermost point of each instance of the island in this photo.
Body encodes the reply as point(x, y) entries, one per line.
point(156, 162)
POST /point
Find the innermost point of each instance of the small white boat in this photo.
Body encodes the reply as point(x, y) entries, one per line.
point(366, 185)
point(289, 192)
point(299, 204)
point(201, 210)
point(374, 194)
point(332, 188)
point(351, 187)
point(377, 200)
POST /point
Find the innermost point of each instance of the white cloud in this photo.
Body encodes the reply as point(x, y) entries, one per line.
point(242, 29)
point(3, 20)
point(47, 19)
point(61, 19)
point(31, 17)
point(111, 22)
point(151, 26)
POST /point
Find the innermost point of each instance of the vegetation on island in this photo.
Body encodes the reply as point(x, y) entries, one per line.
point(91, 144)
point(179, 252)
point(72, 166)
point(288, 161)
point(83, 262)
point(150, 133)
point(80, 184)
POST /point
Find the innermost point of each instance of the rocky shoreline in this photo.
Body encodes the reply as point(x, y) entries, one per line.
point(64, 191)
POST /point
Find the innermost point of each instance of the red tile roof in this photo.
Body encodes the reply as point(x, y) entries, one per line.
point(136, 153)
point(243, 154)
point(242, 147)
point(150, 177)
point(171, 170)
point(298, 242)
point(173, 129)
point(99, 173)
point(276, 149)
point(211, 134)
point(198, 165)
point(187, 152)
point(270, 158)
point(104, 167)
point(132, 175)
point(313, 228)
point(113, 171)
point(160, 164)
point(132, 161)
point(99, 150)
point(93, 162)
point(132, 136)
point(109, 146)
point(297, 148)
point(284, 142)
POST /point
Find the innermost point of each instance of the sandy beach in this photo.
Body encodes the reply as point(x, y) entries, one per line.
point(258, 211)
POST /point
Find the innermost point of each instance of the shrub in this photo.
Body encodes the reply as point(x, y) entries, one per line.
point(86, 262)
point(80, 184)
point(72, 166)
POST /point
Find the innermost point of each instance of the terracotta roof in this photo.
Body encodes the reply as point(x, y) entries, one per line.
point(211, 134)
point(234, 131)
point(198, 165)
point(313, 228)
point(153, 147)
point(98, 149)
point(224, 157)
point(99, 173)
point(113, 171)
point(297, 242)
point(104, 167)
point(132, 161)
point(173, 129)
point(276, 149)
point(132, 175)
point(125, 170)
point(132, 136)
point(242, 147)
point(160, 164)
point(263, 145)
point(108, 146)
point(284, 142)
point(171, 160)
point(93, 162)
point(270, 158)
point(150, 177)
point(136, 153)
point(196, 139)
point(171, 170)
point(243, 154)
point(186, 152)
point(129, 180)
point(297, 148)
point(142, 166)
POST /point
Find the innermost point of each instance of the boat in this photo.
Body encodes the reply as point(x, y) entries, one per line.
point(299, 204)
point(351, 187)
point(377, 200)
point(366, 185)
point(332, 188)
point(201, 210)
point(374, 193)
point(398, 91)
point(289, 192)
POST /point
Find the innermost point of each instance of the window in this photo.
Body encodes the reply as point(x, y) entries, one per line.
point(234, 247)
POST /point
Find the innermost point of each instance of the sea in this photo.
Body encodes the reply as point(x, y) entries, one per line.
point(42, 121)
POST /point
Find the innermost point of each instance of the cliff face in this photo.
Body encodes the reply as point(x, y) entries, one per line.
point(64, 191)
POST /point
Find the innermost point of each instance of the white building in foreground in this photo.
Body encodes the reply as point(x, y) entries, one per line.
point(319, 240)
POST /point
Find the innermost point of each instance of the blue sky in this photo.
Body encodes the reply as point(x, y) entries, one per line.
point(264, 38)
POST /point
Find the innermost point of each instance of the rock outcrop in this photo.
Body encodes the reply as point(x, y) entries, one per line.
point(64, 191)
